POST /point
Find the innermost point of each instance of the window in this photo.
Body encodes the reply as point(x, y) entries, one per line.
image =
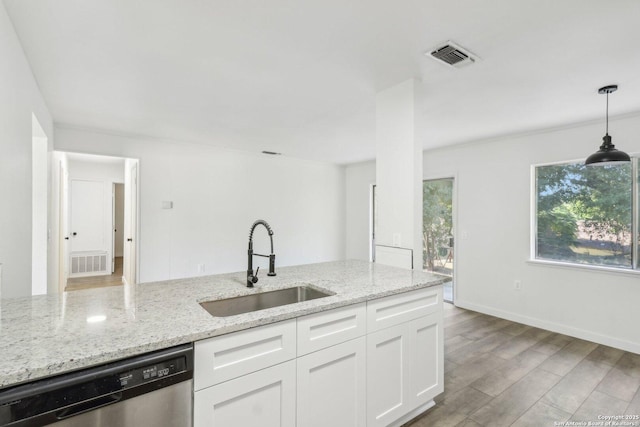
point(587, 215)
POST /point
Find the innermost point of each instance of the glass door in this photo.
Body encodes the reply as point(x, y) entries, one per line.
point(437, 230)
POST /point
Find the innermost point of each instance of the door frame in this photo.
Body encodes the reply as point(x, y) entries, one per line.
point(131, 234)
point(454, 221)
point(62, 210)
point(62, 190)
point(372, 224)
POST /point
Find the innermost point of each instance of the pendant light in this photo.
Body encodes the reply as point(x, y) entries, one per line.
point(607, 152)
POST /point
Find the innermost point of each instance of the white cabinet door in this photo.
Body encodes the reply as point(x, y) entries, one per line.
point(332, 386)
point(387, 375)
point(427, 358)
point(405, 361)
point(265, 398)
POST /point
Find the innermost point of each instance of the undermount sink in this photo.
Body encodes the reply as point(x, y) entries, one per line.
point(260, 301)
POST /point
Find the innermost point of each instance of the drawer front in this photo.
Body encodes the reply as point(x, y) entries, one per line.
point(266, 398)
point(321, 330)
point(389, 311)
point(229, 356)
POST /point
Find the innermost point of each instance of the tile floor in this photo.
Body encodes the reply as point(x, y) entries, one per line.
point(501, 373)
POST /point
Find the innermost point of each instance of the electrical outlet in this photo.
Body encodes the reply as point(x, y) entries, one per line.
point(465, 235)
point(517, 285)
point(200, 268)
point(397, 240)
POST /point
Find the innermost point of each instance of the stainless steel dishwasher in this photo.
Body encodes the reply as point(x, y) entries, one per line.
point(152, 390)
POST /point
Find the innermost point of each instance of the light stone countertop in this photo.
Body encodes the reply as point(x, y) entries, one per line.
point(50, 334)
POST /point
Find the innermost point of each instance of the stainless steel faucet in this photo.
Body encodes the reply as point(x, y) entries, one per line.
point(253, 278)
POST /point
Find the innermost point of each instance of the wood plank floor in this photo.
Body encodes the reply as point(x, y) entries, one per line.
point(501, 373)
point(91, 282)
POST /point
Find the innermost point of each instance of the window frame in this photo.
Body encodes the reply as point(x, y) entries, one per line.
point(635, 223)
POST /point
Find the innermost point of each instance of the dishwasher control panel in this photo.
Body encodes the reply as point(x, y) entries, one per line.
point(153, 372)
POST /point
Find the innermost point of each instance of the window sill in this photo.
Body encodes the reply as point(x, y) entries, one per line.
point(595, 268)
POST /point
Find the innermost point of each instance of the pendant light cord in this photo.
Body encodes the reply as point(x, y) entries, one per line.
point(607, 130)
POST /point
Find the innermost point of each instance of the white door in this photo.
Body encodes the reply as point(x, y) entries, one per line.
point(332, 386)
point(63, 225)
point(131, 223)
point(387, 375)
point(87, 216)
point(266, 398)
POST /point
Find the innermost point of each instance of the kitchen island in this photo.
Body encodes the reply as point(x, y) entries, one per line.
point(47, 335)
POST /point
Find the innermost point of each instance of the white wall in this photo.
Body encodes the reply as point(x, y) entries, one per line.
point(359, 179)
point(216, 195)
point(398, 168)
point(39, 208)
point(20, 99)
point(494, 188)
point(95, 170)
point(493, 195)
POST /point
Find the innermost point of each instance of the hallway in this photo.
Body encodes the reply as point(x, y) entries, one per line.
point(91, 282)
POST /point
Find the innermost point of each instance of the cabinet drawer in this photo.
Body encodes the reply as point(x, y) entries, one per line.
point(266, 398)
point(229, 356)
point(396, 309)
point(321, 330)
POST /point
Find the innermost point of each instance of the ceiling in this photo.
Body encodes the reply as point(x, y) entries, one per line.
point(300, 77)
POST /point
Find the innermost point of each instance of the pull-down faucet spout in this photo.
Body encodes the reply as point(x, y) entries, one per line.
point(251, 278)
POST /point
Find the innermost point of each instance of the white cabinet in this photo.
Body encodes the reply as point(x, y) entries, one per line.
point(332, 386)
point(240, 378)
point(327, 328)
point(266, 398)
point(371, 364)
point(404, 360)
point(331, 368)
point(387, 377)
point(426, 336)
point(222, 358)
point(396, 309)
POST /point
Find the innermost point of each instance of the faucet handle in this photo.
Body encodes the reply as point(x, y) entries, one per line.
point(272, 265)
point(254, 277)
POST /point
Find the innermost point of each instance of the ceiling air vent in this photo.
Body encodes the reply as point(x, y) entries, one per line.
point(453, 55)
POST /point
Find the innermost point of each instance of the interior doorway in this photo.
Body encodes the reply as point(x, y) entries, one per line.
point(438, 231)
point(95, 211)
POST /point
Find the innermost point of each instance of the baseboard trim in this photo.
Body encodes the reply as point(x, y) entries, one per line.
point(552, 326)
point(411, 415)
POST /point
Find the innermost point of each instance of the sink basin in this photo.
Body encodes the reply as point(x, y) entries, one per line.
point(254, 302)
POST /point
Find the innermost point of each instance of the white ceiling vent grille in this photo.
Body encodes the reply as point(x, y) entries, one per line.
point(453, 55)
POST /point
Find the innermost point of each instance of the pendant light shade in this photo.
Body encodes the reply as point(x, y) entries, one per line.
point(607, 152)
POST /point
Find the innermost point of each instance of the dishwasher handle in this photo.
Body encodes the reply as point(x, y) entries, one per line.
point(88, 405)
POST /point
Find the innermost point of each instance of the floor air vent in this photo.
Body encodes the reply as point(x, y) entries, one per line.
point(88, 264)
point(453, 55)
